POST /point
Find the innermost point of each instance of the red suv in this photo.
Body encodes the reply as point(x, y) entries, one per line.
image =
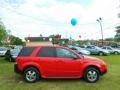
point(57, 62)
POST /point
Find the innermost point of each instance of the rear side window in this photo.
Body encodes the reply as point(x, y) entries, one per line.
point(46, 52)
point(26, 51)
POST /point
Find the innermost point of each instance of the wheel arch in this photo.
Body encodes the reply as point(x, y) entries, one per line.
point(116, 52)
point(36, 67)
point(90, 66)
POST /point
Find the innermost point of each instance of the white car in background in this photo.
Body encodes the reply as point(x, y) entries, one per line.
point(3, 51)
point(79, 50)
point(111, 50)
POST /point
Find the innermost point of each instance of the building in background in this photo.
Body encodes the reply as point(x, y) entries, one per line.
point(35, 41)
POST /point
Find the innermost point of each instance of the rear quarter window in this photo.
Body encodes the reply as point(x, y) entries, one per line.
point(26, 51)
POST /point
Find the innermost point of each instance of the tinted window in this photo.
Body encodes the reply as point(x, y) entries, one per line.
point(109, 48)
point(73, 48)
point(46, 52)
point(26, 51)
point(90, 47)
point(82, 46)
point(65, 53)
point(104, 48)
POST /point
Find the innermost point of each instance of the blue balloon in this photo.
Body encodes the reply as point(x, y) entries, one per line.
point(73, 21)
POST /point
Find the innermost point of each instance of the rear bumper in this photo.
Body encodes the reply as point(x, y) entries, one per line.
point(16, 69)
point(2, 55)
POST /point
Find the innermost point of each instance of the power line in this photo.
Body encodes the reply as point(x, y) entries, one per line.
point(38, 19)
point(107, 28)
point(49, 22)
point(34, 18)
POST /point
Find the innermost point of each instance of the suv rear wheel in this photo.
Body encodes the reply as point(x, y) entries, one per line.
point(91, 75)
point(31, 75)
point(116, 53)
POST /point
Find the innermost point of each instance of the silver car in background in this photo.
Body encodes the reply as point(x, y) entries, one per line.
point(3, 51)
point(111, 50)
point(13, 53)
point(79, 50)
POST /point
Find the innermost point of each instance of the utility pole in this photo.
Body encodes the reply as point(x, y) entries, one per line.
point(119, 9)
point(99, 20)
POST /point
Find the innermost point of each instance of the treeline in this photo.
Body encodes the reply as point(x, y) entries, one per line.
point(6, 38)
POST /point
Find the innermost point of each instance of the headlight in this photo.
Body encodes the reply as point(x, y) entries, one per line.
point(104, 63)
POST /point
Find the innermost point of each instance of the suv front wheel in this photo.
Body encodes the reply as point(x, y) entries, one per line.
point(31, 75)
point(91, 75)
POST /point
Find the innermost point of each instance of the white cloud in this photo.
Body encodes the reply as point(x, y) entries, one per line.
point(46, 17)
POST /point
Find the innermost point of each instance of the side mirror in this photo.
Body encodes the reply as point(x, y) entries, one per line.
point(75, 58)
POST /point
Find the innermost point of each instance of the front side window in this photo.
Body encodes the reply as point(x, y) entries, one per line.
point(64, 53)
point(104, 48)
point(46, 52)
point(109, 48)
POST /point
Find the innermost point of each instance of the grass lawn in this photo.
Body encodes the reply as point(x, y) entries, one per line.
point(111, 81)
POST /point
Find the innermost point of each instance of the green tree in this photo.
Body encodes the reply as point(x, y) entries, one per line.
point(15, 40)
point(55, 38)
point(3, 33)
point(109, 39)
point(117, 36)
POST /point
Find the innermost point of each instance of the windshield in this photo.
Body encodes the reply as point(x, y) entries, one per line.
point(98, 48)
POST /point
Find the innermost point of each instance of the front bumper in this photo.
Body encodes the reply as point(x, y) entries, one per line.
point(105, 71)
point(16, 69)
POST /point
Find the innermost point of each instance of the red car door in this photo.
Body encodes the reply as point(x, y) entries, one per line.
point(47, 62)
point(68, 63)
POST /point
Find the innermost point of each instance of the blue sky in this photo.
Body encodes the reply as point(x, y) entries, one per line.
point(84, 3)
point(46, 17)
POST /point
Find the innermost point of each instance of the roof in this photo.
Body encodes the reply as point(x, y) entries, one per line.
point(37, 39)
point(47, 46)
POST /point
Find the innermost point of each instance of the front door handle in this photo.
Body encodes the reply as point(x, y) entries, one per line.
point(60, 61)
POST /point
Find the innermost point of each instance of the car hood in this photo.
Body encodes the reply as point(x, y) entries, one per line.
point(105, 51)
point(116, 50)
point(89, 58)
point(3, 51)
point(84, 52)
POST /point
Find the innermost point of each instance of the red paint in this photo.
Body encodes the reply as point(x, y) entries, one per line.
point(56, 67)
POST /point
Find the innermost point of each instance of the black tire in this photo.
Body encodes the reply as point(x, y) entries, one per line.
point(31, 75)
point(116, 53)
point(101, 53)
point(11, 59)
point(8, 56)
point(94, 75)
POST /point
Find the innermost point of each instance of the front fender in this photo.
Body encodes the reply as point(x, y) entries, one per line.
point(87, 65)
